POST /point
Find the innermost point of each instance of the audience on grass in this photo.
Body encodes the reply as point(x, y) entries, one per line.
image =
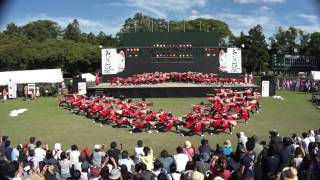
point(283, 158)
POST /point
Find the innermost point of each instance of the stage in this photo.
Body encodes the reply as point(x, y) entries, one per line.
point(163, 90)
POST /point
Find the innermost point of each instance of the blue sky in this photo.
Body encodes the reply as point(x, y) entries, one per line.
point(108, 15)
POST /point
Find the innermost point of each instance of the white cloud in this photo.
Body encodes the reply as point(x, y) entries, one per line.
point(310, 18)
point(265, 8)
point(258, 1)
point(86, 25)
point(162, 8)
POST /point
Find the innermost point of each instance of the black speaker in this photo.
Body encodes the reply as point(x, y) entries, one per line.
point(272, 84)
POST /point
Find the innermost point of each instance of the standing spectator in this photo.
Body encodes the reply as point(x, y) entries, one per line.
point(74, 155)
point(53, 162)
point(25, 92)
point(97, 155)
point(188, 149)
point(201, 163)
point(39, 152)
point(3, 144)
point(247, 170)
point(298, 157)
point(305, 142)
point(286, 153)
point(180, 159)
point(8, 150)
point(138, 150)
point(166, 160)
point(125, 160)
point(147, 158)
point(114, 152)
point(85, 171)
point(4, 95)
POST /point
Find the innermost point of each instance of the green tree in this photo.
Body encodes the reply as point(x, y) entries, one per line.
point(313, 47)
point(72, 31)
point(12, 29)
point(257, 51)
point(41, 30)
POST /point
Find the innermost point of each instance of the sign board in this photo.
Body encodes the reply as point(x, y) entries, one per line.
point(12, 89)
point(113, 62)
point(82, 88)
point(265, 88)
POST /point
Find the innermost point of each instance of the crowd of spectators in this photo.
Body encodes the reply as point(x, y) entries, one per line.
point(288, 158)
point(299, 85)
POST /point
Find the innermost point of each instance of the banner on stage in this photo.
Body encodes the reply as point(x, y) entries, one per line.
point(113, 62)
point(230, 61)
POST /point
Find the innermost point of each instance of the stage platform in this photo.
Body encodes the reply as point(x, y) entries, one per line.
point(162, 90)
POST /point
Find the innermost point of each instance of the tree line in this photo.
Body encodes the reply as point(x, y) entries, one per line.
point(44, 44)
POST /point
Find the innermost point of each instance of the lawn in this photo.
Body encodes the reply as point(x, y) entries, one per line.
point(51, 124)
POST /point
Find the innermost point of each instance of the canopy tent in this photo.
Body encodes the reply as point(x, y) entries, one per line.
point(89, 77)
point(315, 75)
point(31, 76)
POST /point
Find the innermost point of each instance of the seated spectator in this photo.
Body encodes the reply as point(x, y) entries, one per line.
point(180, 159)
point(31, 145)
point(158, 168)
point(57, 151)
point(138, 150)
point(74, 155)
point(39, 152)
point(113, 151)
point(205, 147)
point(126, 175)
point(142, 172)
point(189, 150)
point(147, 158)
point(125, 160)
point(227, 148)
point(289, 173)
point(173, 174)
point(65, 166)
point(201, 163)
point(166, 160)
point(190, 173)
point(85, 171)
point(218, 166)
point(97, 155)
point(15, 152)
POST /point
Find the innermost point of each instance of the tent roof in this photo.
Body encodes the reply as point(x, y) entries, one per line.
point(31, 76)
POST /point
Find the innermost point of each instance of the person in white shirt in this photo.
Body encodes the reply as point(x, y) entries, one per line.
point(57, 151)
point(97, 155)
point(174, 174)
point(74, 155)
point(180, 159)
point(39, 152)
point(125, 160)
point(312, 136)
point(305, 142)
point(138, 151)
point(65, 165)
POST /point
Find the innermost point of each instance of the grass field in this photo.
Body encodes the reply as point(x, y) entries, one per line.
point(51, 124)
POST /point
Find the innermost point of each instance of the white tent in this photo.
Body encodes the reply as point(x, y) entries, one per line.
point(315, 75)
point(31, 76)
point(89, 77)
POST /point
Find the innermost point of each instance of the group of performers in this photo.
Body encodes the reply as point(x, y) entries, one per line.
point(224, 110)
point(186, 77)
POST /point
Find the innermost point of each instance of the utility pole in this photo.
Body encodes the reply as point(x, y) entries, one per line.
point(135, 26)
point(200, 25)
point(152, 25)
point(168, 26)
point(184, 26)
